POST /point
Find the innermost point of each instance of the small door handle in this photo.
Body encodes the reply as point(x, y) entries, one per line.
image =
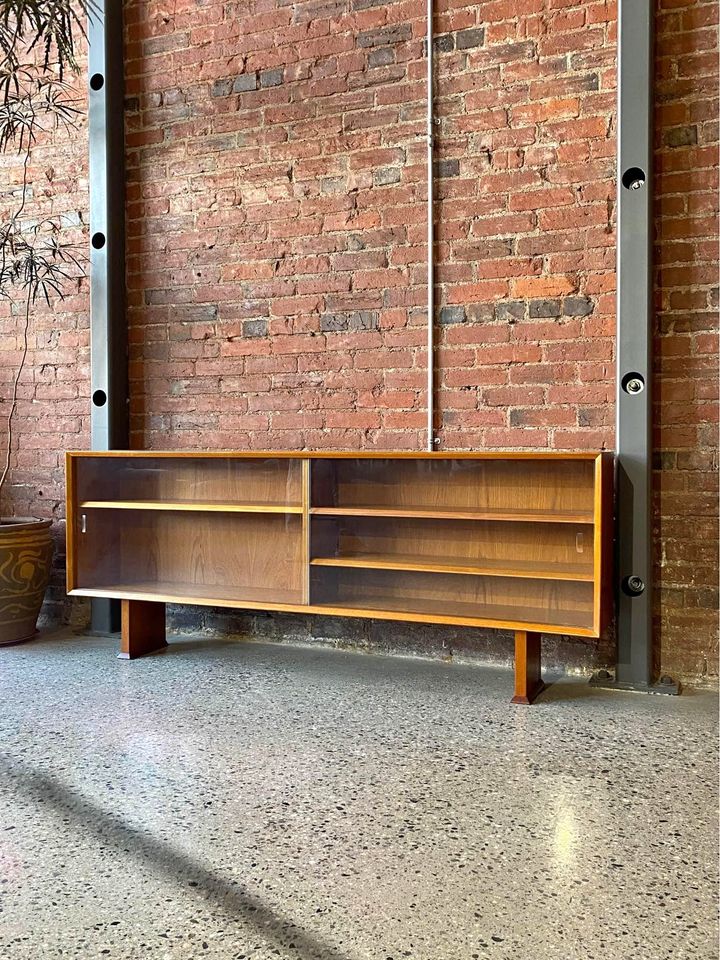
point(83, 523)
point(579, 542)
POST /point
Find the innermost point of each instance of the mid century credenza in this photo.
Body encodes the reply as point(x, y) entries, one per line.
point(514, 541)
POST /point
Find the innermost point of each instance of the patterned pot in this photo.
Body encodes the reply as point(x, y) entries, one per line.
point(26, 550)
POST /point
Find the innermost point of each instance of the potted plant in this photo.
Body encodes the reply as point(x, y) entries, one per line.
point(37, 51)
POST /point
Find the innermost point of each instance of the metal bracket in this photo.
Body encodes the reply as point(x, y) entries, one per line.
point(108, 322)
point(665, 685)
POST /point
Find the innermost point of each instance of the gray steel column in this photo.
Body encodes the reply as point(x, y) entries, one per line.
point(634, 340)
point(108, 322)
point(634, 586)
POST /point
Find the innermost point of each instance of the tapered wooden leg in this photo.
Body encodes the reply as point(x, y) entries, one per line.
point(143, 628)
point(528, 682)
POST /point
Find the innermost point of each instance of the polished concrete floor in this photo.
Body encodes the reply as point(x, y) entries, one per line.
point(254, 801)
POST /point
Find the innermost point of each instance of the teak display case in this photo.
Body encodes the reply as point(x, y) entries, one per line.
point(515, 541)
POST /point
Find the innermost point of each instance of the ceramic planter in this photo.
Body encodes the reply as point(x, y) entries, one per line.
point(26, 549)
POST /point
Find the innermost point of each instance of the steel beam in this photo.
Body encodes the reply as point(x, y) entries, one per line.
point(634, 586)
point(108, 322)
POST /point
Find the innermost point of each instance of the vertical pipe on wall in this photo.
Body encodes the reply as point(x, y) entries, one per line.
point(431, 441)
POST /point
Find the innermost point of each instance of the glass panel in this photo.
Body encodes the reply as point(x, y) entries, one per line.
point(557, 603)
point(189, 480)
point(526, 489)
point(543, 550)
point(209, 555)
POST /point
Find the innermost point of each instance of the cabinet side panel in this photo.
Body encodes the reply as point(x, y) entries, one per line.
point(603, 552)
point(607, 536)
point(70, 526)
point(305, 549)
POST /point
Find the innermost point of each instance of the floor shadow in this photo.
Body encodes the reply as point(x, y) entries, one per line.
point(109, 828)
point(183, 644)
point(568, 691)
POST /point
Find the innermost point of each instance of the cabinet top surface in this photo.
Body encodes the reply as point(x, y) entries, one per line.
point(348, 454)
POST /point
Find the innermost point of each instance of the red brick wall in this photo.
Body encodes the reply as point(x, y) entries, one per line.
point(686, 349)
point(276, 242)
point(278, 224)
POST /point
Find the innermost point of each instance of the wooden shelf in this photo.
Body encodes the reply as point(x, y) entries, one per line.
point(205, 594)
point(531, 570)
point(196, 505)
point(503, 616)
point(434, 513)
point(376, 607)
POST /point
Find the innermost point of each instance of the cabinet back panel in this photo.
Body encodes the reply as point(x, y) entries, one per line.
point(98, 550)
point(188, 548)
point(206, 481)
point(457, 484)
point(552, 602)
point(453, 539)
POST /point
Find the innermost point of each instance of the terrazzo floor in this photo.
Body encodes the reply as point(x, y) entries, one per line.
point(225, 800)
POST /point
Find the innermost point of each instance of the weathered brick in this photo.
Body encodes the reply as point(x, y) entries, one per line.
point(246, 81)
point(384, 36)
point(510, 311)
point(355, 320)
point(452, 315)
point(466, 39)
point(545, 308)
point(577, 306)
point(384, 176)
point(381, 57)
point(255, 328)
point(681, 136)
point(444, 43)
point(271, 78)
point(447, 168)
point(222, 87)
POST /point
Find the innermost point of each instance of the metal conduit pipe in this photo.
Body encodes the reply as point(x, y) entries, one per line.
point(431, 439)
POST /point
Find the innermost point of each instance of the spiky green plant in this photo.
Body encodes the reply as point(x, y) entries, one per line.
point(50, 24)
point(37, 51)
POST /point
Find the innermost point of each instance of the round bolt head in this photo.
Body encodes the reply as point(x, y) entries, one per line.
point(633, 383)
